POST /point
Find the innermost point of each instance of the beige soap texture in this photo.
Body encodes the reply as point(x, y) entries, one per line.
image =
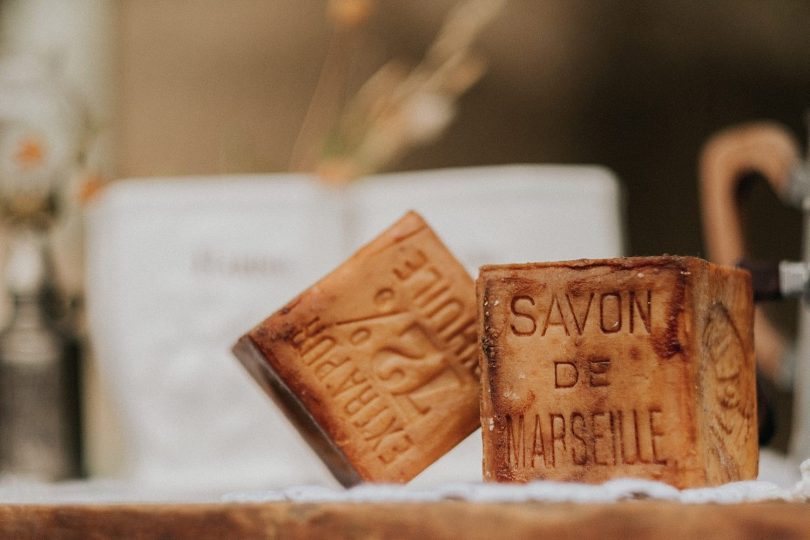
point(377, 363)
point(598, 369)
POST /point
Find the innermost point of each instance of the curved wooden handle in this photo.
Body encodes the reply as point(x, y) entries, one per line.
point(765, 148)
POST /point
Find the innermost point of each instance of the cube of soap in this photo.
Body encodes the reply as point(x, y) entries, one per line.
point(598, 369)
point(377, 363)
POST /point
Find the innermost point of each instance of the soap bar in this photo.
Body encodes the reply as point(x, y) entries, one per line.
point(598, 369)
point(377, 363)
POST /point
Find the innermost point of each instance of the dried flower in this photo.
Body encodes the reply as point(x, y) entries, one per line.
point(30, 153)
point(91, 185)
point(350, 13)
point(400, 108)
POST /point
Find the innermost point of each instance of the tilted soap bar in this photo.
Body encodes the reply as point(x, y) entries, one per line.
point(377, 363)
point(597, 369)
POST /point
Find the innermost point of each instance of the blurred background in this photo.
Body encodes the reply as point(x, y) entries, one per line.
point(173, 88)
point(635, 86)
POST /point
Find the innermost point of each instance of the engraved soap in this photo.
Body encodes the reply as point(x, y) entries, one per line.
point(377, 363)
point(598, 369)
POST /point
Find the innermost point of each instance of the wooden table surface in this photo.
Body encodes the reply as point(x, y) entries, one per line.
point(447, 519)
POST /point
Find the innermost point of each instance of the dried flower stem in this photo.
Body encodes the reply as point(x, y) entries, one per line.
point(397, 108)
point(324, 106)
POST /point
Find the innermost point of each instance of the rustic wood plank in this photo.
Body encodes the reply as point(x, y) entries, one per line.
point(448, 519)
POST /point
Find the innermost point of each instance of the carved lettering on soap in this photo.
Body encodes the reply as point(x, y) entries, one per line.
point(433, 298)
point(730, 416)
point(421, 342)
point(595, 372)
point(354, 393)
point(581, 438)
point(567, 314)
point(409, 364)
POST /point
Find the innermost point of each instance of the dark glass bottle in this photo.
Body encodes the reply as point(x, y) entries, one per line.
point(40, 427)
